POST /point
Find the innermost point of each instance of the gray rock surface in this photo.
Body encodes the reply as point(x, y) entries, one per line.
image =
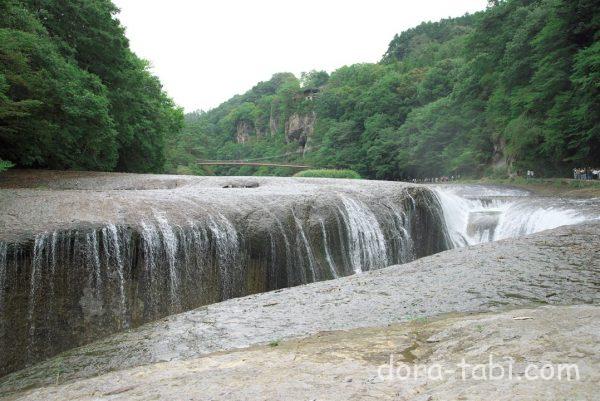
point(38, 201)
point(86, 255)
point(560, 266)
point(561, 344)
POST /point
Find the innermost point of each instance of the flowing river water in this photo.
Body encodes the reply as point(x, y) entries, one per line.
point(475, 213)
point(84, 280)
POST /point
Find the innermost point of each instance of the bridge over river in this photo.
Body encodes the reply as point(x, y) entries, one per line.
point(250, 163)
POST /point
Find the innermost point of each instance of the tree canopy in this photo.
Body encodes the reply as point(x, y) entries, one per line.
point(72, 93)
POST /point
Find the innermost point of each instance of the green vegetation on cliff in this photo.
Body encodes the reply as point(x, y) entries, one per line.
point(513, 87)
point(73, 95)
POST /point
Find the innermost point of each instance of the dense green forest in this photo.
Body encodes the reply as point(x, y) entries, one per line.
point(510, 88)
point(72, 93)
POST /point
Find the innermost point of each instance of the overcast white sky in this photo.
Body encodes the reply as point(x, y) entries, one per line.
point(207, 51)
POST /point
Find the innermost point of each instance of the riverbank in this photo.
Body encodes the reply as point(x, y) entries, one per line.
point(555, 267)
point(564, 187)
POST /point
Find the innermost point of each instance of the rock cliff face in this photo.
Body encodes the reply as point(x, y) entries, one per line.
point(243, 130)
point(300, 127)
point(297, 128)
point(501, 161)
point(274, 122)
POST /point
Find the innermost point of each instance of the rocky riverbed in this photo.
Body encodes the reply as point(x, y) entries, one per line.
point(39, 201)
point(556, 267)
point(447, 358)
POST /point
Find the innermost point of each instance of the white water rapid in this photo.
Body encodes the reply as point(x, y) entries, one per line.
point(475, 214)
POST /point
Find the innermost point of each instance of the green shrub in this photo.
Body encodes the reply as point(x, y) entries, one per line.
point(328, 173)
point(5, 165)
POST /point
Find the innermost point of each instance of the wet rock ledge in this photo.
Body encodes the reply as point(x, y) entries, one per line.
point(555, 267)
point(354, 364)
point(87, 255)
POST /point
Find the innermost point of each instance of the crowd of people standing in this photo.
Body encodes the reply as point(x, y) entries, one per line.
point(444, 178)
point(586, 173)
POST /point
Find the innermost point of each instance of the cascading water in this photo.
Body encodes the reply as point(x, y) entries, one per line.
point(3, 262)
point(112, 247)
point(39, 251)
point(477, 214)
point(328, 257)
point(64, 287)
point(310, 258)
point(226, 240)
point(170, 246)
point(70, 286)
point(401, 235)
point(367, 243)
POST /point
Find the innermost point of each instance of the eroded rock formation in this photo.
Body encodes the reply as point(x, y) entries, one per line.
point(300, 127)
point(101, 259)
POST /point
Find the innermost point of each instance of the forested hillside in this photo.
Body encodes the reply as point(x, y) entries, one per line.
point(511, 88)
point(72, 93)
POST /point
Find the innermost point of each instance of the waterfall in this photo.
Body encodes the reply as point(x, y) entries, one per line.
point(170, 246)
point(227, 249)
point(3, 274)
point(150, 243)
point(328, 257)
point(279, 232)
point(3, 263)
point(66, 287)
point(523, 218)
point(114, 259)
point(35, 278)
point(196, 253)
point(367, 242)
point(93, 261)
point(307, 248)
point(475, 215)
point(400, 235)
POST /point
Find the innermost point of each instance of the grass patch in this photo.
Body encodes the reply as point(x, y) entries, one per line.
point(328, 173)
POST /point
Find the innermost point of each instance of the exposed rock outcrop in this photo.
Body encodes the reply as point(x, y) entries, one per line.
point(243, 130)
point(300, 127)
point(500, 160)
point(274, 122)
point(246, 183)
